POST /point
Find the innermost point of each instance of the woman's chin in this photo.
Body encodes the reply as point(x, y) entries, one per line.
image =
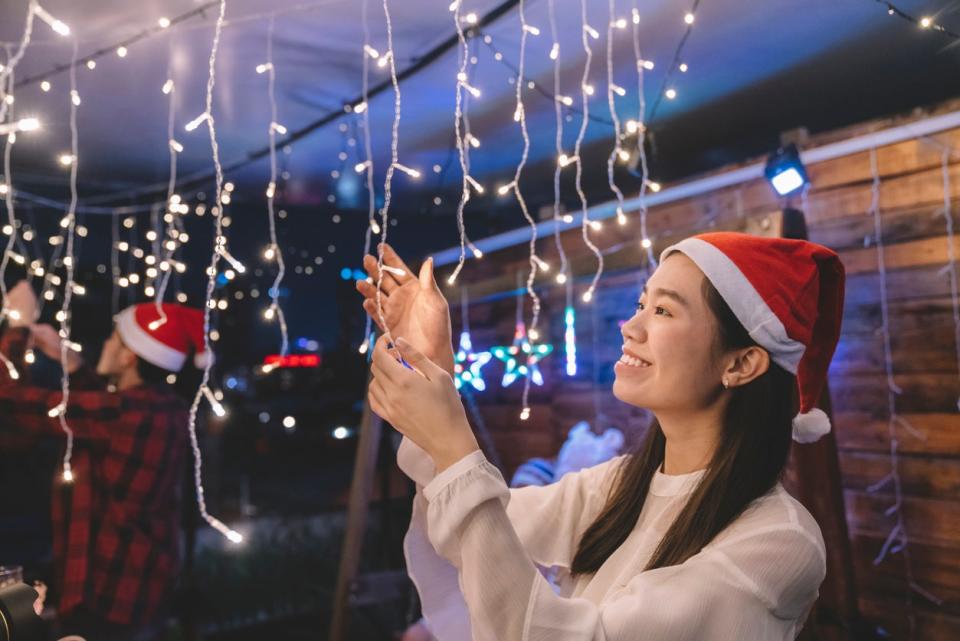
point(627, 392)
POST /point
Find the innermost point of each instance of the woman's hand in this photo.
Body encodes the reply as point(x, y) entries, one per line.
point(422, 403)
point(413, 307)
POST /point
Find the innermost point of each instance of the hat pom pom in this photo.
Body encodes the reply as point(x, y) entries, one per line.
point(809, 427)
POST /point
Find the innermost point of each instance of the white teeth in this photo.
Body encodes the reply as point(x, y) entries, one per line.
point(633, 362)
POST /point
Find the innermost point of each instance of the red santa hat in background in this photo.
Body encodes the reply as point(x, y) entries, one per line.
point(788, 295)
point(164, 343)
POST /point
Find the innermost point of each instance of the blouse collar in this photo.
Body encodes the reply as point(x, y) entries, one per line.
point(674, 484)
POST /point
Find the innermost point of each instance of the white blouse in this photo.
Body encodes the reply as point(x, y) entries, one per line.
point(475, 551)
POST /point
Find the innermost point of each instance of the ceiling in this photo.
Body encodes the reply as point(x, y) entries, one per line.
point(755, 69)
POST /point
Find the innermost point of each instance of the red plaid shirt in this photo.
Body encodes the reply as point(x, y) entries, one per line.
point(116, 527)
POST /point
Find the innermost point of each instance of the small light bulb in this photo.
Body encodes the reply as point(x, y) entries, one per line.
point(91, 64)
point(926, 22)
point(670, 93)
point(45, 86)
point(163, 22)
point(688, 18)
point(122, 51)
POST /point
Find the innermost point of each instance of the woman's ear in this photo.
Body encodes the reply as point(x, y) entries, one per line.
point(747, 364)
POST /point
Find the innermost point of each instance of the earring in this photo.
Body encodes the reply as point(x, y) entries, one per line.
point(726, 385)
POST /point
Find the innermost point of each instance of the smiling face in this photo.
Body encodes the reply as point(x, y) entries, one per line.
point(670, 360)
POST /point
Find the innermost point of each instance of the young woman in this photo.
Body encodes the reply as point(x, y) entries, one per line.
point(691, 537)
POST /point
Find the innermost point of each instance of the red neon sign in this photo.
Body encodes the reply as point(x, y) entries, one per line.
point(292, 360)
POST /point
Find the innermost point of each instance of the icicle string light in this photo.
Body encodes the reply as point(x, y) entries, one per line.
point(394, 164)
point(463, 150)
point(645, 241)
point(951, 266)
point(372, 226)
point(271, 195)
point(898, 539)
point(7, 81)
point(585, 101)
point(617, 151)
point(562, 276)
point(203, 389)
point(535, 261)
point(68, 290)
point(169, 88)
point(6, 73)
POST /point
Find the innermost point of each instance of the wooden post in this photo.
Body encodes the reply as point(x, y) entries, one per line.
point(364, 470)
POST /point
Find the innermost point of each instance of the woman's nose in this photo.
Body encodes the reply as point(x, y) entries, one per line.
point(634, 328)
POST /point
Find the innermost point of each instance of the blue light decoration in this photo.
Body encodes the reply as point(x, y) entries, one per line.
point(521, 350)
point(467, 364)
point(570, 340)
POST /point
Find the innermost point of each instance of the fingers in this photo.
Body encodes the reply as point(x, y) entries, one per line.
point(427, 281)
point(384, 362)
point(377, 400)
point(369, 291)
point(370, 306)
point(391, 258)
point(390, 281)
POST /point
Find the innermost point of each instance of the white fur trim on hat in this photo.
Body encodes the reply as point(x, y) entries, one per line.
point(809, 427)
point(744, 300)
point(146, 346)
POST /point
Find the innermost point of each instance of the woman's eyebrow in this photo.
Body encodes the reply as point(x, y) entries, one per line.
point(669, 293)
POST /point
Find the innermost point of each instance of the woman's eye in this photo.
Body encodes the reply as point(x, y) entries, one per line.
point(657, 309)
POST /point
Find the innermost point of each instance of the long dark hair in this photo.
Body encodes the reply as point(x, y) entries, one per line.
point(754, 446)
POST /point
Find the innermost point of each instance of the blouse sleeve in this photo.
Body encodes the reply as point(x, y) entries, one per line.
point(548, 522)
point(757, 585)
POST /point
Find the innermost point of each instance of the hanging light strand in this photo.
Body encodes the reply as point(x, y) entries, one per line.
point(642, 135)
point(951, 267)
point(562, 275)
point(169, 88)
point(615, 153)
point(271, 195)
point(68, 290)
point(394, 164)
point(203, 389)
point(585, 101)
point(463, 150)
point(7, 80)
point(367, 164)
point(535, 261)
point(898, 539)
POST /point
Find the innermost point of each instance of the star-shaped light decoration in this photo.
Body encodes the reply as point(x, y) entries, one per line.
point(467, 364)
point(522, 357)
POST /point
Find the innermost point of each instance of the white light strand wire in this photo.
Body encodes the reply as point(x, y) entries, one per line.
point(951, 267)
point(535, 261)
point(12, 223)
point(394, 163)
point(615, 153)
point(645, 241)
point(203, 391)
point(6, 82)
point(586, 32)
point(65, 313)
point(173, 147)
point(275, 310)
point(462, 147)
point(897, 540)
point(372, 226)
point(562, 275)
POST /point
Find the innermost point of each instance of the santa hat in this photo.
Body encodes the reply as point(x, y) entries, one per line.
point(788, 295)
point(165, 344)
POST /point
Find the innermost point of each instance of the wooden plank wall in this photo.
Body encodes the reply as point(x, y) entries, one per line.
point(923, 348)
